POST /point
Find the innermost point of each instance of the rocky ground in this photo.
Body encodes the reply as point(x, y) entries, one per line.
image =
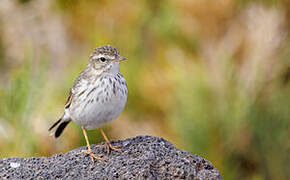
point(142, 157)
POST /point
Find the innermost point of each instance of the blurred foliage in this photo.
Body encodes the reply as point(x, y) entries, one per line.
point(212, 77)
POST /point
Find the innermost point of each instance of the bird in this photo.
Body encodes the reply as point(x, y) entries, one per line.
point(98, 95)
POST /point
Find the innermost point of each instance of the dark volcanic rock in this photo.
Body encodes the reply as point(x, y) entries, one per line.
point(142, 157)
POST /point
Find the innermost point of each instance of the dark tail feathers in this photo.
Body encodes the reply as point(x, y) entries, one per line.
point(60, 128)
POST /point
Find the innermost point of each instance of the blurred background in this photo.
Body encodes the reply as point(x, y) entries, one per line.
point(212, 77)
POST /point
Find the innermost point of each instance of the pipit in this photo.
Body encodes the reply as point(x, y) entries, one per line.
point(98, 95)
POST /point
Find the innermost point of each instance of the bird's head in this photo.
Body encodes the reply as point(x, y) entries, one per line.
point(106, 59)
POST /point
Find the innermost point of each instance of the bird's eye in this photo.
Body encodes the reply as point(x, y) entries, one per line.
point(102, 59)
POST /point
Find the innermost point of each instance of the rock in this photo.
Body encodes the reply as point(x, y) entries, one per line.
point(142, 157)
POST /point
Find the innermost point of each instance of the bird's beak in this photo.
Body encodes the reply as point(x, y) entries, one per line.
point(119, 59)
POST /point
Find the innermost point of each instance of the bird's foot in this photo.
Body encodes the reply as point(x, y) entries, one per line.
point(92, 155)
point(110, 147)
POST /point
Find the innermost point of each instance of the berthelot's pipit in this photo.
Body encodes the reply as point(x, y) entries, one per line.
point(98, 95)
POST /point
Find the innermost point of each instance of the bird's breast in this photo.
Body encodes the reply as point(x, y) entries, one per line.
point(102, 100)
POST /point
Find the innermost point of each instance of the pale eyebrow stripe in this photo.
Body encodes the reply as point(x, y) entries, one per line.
point(98, 56)
point(105, 56)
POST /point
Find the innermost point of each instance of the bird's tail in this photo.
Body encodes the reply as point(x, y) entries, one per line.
point(60, 124)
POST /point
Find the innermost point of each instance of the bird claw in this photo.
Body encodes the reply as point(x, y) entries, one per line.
point(110, 147)
point(114, 148)
point(92, 155)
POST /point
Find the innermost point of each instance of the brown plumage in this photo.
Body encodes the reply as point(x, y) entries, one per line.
point(98, 95)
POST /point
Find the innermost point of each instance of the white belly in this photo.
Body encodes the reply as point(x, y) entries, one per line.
point(103, 103)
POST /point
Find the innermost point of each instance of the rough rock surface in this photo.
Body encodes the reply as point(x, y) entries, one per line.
point(142, 157)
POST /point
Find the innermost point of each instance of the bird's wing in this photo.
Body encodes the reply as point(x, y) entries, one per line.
point(69, 100)
point(77, 87)
point(65, 119)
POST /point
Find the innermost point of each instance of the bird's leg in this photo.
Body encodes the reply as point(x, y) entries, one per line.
point(89, 151)
point(109, 146)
